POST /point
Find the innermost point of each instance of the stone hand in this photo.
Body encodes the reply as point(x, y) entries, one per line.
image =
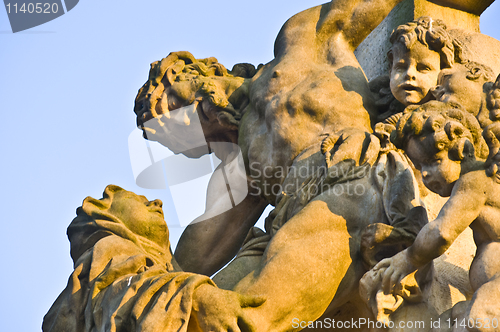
point(396, 268)
point(351, 144)
point(218, 310)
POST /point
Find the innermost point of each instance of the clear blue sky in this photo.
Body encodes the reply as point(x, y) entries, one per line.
point(67, 90)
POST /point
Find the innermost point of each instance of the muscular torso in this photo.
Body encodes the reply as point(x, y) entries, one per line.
point(313, 86)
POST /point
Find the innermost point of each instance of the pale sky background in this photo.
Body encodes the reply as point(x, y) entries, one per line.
point(67, 90)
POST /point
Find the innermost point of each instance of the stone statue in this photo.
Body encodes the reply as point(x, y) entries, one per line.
point(301, 133)
point(446, 146)
point(293, 93)
point(125, 277)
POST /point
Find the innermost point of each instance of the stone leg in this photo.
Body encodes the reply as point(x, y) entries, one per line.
point(304, 268)
point(484, 308)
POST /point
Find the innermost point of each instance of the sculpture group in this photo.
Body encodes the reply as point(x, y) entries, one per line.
point(354, 169)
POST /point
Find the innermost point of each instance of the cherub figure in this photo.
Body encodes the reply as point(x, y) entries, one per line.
point(126, 279)
point(313, 91)
point(447, 147)
point(468, 84)
point(420, 50)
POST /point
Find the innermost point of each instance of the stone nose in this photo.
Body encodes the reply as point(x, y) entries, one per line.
point(411, 73)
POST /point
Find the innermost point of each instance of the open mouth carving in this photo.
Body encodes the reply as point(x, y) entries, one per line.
point(409, 87)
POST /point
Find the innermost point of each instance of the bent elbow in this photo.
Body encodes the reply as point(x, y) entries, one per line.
point(443, 240)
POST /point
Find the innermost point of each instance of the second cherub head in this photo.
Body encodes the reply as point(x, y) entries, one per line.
point(443, 141)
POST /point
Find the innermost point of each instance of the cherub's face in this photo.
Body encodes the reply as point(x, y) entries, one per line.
point(413, 73)
point(141, 216)
point(453, 86)
point(439, 172)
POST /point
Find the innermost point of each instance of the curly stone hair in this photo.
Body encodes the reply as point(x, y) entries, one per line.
point(478, 70)
point(431, 33)
point(183, 66)
point(442, 126)
point(492, 136)
point(493, 100)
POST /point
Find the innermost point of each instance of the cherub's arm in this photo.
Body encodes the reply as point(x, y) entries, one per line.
point(355, 18)
point(463, 207)
point(214, 238)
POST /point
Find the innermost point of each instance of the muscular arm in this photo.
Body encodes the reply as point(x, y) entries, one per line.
point(214, 238)
point(463, 207)
point(355, 18)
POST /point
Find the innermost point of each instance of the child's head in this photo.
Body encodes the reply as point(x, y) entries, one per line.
point(120, 213)
point(464, 84)
point(420, 49)
point(439, 138)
